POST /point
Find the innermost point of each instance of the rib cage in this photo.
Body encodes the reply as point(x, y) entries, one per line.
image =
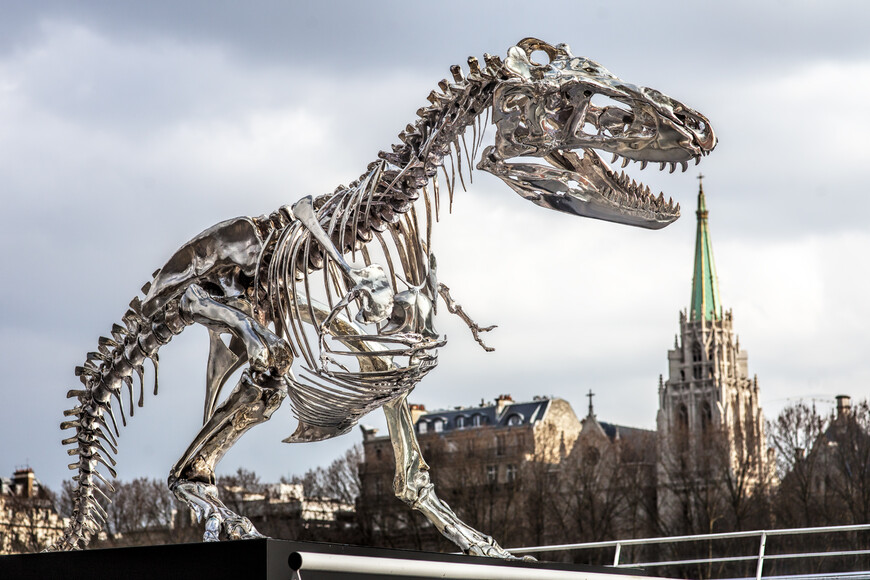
point(371, 368)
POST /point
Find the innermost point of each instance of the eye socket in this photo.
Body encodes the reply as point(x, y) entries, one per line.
point(587, 93)
point(589, 69)
point(539, 58)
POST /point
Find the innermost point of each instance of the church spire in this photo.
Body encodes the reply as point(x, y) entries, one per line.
point(705, 285)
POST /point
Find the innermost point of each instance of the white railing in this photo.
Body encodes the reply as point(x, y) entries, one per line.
point(760, 557)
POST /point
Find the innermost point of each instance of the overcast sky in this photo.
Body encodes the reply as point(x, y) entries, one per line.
point(127, 128)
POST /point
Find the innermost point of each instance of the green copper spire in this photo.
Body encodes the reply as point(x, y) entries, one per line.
point(705, 285)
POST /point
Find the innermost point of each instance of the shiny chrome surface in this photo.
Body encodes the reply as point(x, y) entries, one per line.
point(331, 303)
point(548, 110)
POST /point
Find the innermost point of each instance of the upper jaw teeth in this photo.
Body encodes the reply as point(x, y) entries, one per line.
point(662, 164)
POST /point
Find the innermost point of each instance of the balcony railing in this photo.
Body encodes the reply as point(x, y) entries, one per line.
point(788, 561)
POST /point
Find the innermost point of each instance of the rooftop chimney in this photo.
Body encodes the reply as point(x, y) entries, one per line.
point(417, 411)
point(22, 482)
point(501, 402)
point(844, 405)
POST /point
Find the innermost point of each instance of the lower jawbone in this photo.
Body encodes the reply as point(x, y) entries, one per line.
point(582, 184)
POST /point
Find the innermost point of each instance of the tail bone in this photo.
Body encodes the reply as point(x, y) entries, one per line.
point(103, 374)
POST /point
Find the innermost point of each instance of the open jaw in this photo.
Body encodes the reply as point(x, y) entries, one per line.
point(581, 183)
point(569, 112)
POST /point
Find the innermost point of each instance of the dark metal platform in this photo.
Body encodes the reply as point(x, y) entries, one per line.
point(280, 560)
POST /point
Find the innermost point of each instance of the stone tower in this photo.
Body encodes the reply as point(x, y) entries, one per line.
point(710, 426)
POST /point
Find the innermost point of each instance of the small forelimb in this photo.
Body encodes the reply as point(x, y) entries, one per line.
point(456, 309)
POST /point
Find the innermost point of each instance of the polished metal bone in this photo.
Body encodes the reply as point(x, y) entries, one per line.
point(331, 303)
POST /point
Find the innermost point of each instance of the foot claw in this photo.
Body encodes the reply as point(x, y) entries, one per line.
point(212, 529)
point(203, 499)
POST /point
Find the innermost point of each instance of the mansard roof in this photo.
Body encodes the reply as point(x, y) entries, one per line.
point(706, 304)
point(623, 432)
point(512, 414)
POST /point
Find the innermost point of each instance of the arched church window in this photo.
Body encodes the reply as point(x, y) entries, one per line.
point(683, 418)
point(682, 433)
point(750, 427)
point(697, 352)
point(706, 416)
point(591, 455)
point(738, 429)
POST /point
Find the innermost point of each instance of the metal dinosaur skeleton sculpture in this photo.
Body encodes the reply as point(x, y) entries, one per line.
point(282, 288)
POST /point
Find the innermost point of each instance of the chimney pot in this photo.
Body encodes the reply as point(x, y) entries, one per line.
point(844, 405)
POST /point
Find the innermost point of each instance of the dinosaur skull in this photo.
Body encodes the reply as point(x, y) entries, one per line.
point(546, 111)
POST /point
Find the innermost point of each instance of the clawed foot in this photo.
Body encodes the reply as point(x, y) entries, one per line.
point(203, 500)
point(489, 548)
point(234, 526)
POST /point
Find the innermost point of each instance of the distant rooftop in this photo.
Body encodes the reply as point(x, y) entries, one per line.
point(504, 412)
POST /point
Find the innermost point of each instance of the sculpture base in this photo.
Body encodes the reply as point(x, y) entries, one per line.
point(282, 560)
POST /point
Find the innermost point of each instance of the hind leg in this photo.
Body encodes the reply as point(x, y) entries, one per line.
point(413, 486)
point(257, 395)
point(192, 478)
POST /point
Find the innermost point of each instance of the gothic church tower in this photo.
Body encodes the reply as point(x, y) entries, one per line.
point(710, 425)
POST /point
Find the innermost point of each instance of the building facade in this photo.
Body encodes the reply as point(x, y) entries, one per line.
point(28, 519)
point(487, 462)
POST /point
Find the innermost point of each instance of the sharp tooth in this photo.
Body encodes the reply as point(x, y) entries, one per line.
point(624, 161)
point(633, 185)
point(670, 202)
point(697, 159)
point(678, 206)
point(615, 157)
point(673, 166)
point(646, 190)
point(643, 164)
point(662, 166)
point(684, 165)
point(660, 199)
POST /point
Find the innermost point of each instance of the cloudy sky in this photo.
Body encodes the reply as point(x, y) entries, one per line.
point(127, 128)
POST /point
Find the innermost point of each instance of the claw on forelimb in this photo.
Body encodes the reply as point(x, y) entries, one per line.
point(456, 309)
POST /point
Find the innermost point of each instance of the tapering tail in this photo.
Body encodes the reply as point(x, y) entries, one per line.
point(96, 428)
